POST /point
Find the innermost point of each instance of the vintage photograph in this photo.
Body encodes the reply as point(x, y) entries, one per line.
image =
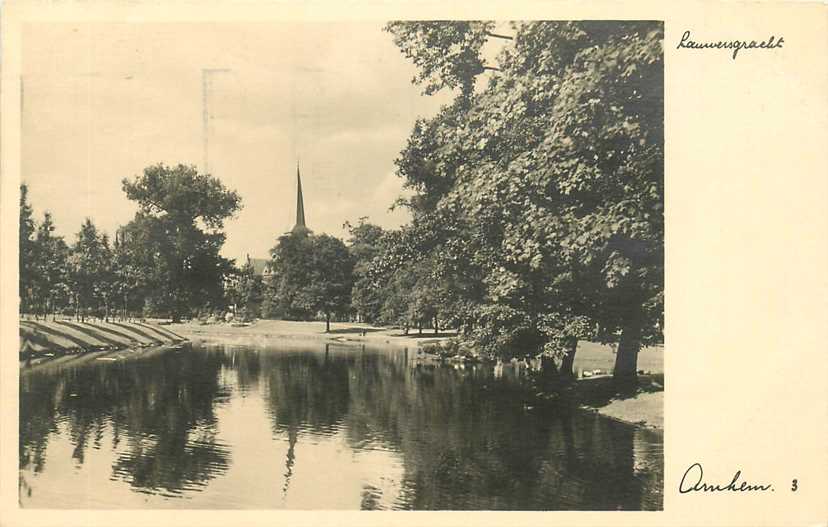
point(400, 265)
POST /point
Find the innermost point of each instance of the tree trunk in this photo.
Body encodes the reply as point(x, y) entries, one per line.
point(436, 326)
point(568, 361)
point(548, 365)
point(327, 322)
point(420, 327)
point(626, 360)
point(549, 375)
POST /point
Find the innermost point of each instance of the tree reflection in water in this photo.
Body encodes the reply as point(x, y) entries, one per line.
point(469, 443)
point(161, 405)
point(464, 439)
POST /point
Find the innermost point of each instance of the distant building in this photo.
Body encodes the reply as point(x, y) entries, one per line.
point(259, 265)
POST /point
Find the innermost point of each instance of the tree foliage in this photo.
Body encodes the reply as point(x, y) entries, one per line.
point(165, 262)
point(313, 274)
point(183, 196)
point(552, 176)
point(90, 267)
point(178, 229)
point(365, 244)
point(446, 53)
point(26, 248)
point(50, 260)
point(246, 291)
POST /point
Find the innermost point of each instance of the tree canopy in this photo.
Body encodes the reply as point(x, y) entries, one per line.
point(164, 262)
point(313, 274)
point(177, 228)
point(183, 196)
point(446, 53)
point(552, 175)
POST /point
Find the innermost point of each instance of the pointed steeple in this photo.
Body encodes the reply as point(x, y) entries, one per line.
point(300, 204)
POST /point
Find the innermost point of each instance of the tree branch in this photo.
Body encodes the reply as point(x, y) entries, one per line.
point(495, 35)
point(157, 206)
point(490, 68)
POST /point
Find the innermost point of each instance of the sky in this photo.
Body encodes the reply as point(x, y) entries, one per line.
point(103, 101)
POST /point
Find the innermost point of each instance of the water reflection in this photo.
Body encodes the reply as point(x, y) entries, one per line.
point(157, 413)
point(319, 427)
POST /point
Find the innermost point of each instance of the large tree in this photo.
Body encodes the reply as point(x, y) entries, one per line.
point(290, 273)
point(331, 280)
point(554, 171)
point(181, 218)
point(313, 274)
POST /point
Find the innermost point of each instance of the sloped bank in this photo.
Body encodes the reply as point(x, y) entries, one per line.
point(54, 338)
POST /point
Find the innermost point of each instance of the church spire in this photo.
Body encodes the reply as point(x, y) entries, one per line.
point(300, 205)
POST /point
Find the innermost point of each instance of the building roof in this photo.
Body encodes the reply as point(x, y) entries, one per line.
point(259, 265)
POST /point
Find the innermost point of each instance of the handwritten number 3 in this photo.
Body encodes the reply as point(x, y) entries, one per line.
point(794, 485)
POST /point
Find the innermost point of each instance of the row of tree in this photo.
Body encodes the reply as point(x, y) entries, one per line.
point(165, 262)
point(316, 276)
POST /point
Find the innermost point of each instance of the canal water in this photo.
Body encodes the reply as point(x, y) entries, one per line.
point(316, 427)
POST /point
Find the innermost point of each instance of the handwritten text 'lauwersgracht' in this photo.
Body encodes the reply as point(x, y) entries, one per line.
point(736, 45)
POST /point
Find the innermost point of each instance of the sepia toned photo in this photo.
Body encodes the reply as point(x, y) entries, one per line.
point(401, 265)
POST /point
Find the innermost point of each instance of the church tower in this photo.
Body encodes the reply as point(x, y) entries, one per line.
point(300, 204)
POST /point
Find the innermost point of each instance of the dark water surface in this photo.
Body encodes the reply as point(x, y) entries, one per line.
point(302, 428)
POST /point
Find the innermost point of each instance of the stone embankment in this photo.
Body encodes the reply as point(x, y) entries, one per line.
point(61, 337)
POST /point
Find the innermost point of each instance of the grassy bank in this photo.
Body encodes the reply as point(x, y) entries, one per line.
point(641, 404)
point(61, 337)
point(646, 409)
point(262, 331)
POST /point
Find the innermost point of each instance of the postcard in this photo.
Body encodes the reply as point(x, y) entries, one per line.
point(535, 263)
